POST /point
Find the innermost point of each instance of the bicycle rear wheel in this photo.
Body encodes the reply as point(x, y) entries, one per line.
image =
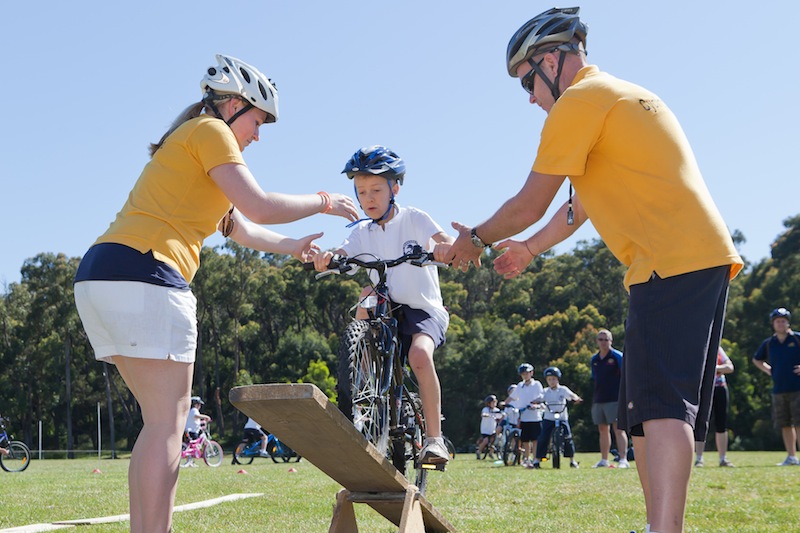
point(18, 458)
point(358, 386)
point(451, 449)
point(405, 452)
point(239, 455)
point(212, 453)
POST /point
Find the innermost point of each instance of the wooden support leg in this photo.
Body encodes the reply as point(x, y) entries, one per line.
point(344, 516)
point(411, 521)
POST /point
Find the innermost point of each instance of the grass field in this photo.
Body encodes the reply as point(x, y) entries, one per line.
point(475, 496)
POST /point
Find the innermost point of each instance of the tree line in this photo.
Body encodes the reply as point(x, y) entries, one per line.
point(263, 319)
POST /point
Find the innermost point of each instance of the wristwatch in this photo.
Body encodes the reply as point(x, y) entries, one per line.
point(477, 241)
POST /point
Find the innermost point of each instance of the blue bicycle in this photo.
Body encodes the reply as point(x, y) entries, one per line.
point(250, 448)
point(18, 455)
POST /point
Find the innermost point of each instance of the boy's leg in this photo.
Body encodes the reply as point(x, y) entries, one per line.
point(420, 358)
point(605, 440)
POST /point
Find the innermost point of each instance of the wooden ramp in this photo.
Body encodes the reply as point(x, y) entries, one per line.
point(300, 415)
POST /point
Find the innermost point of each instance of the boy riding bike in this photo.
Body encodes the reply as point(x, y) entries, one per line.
point(389, 231)
point(556, 397)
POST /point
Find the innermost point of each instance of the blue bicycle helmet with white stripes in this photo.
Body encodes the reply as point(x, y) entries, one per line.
point(377, 160)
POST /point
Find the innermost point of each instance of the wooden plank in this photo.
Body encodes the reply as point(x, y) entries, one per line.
point(300, 415)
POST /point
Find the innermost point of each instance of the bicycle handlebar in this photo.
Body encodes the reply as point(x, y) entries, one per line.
point(341, 264)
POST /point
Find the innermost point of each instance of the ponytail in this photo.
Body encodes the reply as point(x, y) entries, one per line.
point(193, 111)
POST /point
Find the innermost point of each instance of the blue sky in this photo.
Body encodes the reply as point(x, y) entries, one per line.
point(88, 84)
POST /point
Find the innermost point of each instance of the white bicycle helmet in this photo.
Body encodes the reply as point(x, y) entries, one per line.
point(234, 76)
point(555, 27)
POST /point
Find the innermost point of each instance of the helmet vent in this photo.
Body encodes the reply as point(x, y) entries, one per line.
point(263, 91)
point(245, 75)
point(212, 71)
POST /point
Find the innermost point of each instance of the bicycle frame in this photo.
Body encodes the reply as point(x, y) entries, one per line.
point(385, 367)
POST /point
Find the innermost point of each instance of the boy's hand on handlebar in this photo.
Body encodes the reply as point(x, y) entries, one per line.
point(322, 260)
point(440, 251)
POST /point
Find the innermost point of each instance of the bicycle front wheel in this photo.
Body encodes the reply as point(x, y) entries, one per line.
point(511, 450)
point(558, 442)
point(358, 387)
point(18, 458)
point(240, 456)
point(212, 453)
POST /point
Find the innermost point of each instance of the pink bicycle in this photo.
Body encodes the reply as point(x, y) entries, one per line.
point(201, 447)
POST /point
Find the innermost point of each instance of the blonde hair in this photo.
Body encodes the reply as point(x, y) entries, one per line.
point(608, 334)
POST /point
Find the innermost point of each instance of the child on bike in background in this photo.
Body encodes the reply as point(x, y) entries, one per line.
point(390, 231)
point(490, 416)
point(195, 420)
point(530, 419)
point(253, 432)
point(556, 396)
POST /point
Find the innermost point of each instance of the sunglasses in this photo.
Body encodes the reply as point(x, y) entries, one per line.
point(228, 223)
point(527, 81)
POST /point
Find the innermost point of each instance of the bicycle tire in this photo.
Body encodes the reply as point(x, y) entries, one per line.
point(558, 442)
point(358, 385)
point(451, 449)
point(511, 450)
point(240, 455)
point(212, 453)
point(18, 458)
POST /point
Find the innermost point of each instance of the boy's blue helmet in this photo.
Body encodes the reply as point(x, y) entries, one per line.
point(524, 367)
point(552, 371)
point(377, 160)
point(490, 398)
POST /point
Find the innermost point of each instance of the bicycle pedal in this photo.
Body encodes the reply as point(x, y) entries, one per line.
point(429, 466)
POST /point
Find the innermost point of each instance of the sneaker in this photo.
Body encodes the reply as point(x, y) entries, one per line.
point(601, 464)
point(699, 463)
point(623, 463)
point(534, 464)
point(725, 462)
point(790, 460)
point(573, 464)
point(434, 452)
point(263, 453)
point(477, 455)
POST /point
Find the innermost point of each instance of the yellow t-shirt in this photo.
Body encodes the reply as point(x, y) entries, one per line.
point(175, 205)
point(636, 176)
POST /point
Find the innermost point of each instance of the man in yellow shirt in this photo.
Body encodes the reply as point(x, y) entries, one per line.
point(638, 181)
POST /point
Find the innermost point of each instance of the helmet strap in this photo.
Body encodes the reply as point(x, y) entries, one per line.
point(552, 85)
point(241, 112)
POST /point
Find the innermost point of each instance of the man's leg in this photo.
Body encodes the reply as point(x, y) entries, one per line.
point(605, 440)
point(622, 442)
point(669, 444)
point(789, 439)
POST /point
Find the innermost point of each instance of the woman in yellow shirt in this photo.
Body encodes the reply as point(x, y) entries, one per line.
point(132, 286)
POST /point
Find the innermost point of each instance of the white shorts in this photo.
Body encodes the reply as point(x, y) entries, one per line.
point(136, 319)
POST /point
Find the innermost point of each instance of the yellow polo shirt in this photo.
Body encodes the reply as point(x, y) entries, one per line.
point(175, 205)
point(636, 176)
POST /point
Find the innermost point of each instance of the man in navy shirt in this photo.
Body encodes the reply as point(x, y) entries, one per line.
point(606, 373)
point(779, 357)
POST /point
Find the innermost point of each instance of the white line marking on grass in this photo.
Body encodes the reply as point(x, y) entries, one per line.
point(61, 524)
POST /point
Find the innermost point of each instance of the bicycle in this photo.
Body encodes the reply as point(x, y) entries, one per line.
point(19, 455)
point(512, 448)
point(201, 447)
point(374, 381)
point(561, 436)
point(249, 449)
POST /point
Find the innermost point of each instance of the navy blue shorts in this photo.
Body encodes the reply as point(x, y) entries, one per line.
point(672, 334)
point(411, 321)
point(530, 431)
